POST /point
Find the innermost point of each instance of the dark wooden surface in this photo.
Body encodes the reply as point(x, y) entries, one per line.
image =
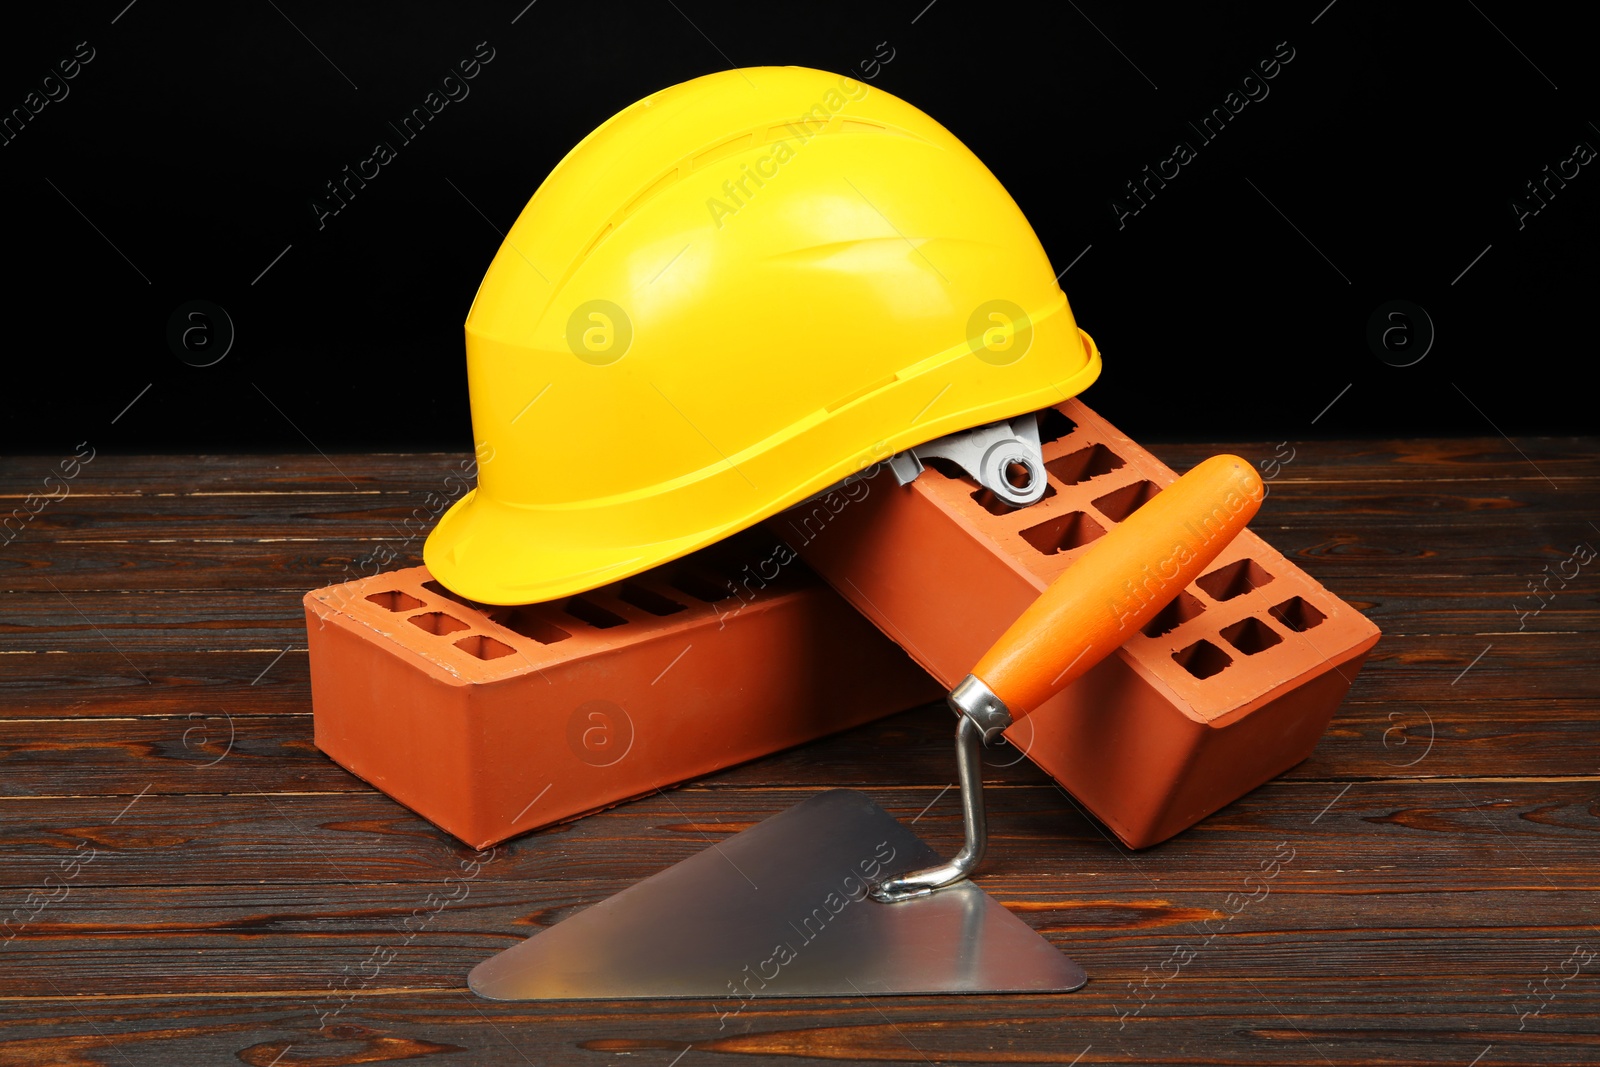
point(1441, 905)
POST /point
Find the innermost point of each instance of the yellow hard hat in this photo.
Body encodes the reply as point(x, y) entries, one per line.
point(730, 295)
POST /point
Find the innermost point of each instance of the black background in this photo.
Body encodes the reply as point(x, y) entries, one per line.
point(1394, 142)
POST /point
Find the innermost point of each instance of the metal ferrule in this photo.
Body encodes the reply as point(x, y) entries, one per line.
point(977, 702)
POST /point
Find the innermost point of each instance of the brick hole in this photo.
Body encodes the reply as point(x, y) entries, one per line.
point(1297, 614)
point(1053, 426)
point(1187, 606)
point(484, 647)
point(1202, 659)
point(648, 600)
point(995, 506)
point(593, 614)
point(699, 586)
point(395, 600)
point(529, 623)
point(1084, 464)
point(1251, 636)
point(1063, 533)
point(1235, 579)
point(1118, 504)
point(437, 622)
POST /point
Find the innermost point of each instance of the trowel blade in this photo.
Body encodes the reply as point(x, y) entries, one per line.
point(780, 910)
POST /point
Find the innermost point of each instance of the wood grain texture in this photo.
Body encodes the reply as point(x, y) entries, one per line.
point(187, 880)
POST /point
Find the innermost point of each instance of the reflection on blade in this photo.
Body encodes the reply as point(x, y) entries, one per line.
point(781, 910)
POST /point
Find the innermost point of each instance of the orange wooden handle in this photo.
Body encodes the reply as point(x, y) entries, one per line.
point(1120, 583)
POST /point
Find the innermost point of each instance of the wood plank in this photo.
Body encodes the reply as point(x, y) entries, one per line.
point(1455, 554)
point(1399, 834)
point(1418, 459)
point(182, 566)
point(202, 475)
point(1471, 738)
point(1425, 667)
point(82, 517)
point(136, 622)
point(253, 940)
point(1353, 1020)
point(102, 683)
point(212, 751)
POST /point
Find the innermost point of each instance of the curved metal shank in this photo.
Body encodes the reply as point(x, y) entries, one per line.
point(969, 770)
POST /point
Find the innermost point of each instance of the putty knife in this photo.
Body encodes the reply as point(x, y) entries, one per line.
point(834, 897)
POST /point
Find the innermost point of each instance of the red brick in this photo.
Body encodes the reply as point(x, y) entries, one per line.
point(482, 719)
point(1167, 730)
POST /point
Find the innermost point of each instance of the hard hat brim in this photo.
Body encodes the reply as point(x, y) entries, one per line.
point(495, 552)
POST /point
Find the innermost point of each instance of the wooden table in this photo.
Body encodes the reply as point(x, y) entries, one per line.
point(188, 880)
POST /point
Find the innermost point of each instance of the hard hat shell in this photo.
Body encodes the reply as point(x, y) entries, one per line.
point(730, 295)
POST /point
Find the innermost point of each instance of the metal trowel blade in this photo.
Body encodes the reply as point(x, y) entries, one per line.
point(780, 910)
